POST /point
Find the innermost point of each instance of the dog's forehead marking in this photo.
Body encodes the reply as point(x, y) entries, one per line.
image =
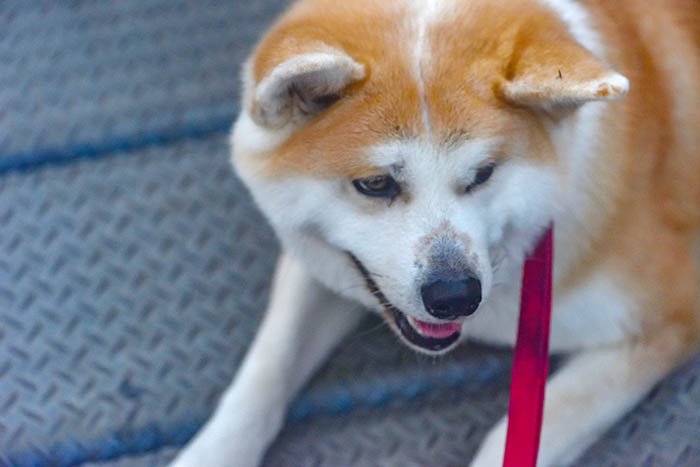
point(425, 14)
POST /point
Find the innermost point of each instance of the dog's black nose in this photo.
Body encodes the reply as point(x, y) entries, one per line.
point(451, 299)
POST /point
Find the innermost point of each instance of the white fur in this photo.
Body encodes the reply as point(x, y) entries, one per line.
point(252, 138)
point(615, 84)
point(425, 14)
point(597, 313)
point(435, 179)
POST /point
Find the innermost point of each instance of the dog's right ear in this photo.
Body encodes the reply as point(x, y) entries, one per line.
point(299, 86)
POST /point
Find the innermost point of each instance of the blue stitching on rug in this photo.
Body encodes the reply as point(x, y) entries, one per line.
point(25, 162)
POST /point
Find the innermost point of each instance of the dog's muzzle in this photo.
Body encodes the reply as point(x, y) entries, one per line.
point(426, 336)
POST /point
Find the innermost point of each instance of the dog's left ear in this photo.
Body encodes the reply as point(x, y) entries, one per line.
point(302, 85)
point(557, 73)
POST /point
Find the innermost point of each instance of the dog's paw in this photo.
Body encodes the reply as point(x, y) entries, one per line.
point(218, 451)
point(492, 449)
point(213, 456)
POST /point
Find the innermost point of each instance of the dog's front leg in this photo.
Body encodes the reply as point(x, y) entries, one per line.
point(592, 391)
point(303, 323)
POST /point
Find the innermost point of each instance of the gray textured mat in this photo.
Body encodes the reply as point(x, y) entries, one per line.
point(444, 429)
point(129, 288)
point(105, 73)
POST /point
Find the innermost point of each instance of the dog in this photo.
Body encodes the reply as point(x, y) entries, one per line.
point(409, 154)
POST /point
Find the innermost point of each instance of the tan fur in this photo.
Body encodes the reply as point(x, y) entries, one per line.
point(655, 195)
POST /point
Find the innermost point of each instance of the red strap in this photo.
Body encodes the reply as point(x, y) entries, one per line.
point(531, 358)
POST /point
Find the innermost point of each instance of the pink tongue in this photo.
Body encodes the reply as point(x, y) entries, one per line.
point(438, 331)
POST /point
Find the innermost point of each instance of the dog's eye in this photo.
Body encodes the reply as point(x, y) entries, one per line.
point(482, 176)
point(379, 186)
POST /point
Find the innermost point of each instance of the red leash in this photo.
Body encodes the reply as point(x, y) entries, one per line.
point(531, 358)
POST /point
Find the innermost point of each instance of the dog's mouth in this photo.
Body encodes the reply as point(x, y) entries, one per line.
point(432, 337)
point(425, 336)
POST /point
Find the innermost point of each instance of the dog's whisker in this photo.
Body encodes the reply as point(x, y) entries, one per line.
point(374, 329)
point(352, 287)
point(375, 274)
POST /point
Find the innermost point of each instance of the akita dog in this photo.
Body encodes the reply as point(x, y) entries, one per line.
point(410, 153)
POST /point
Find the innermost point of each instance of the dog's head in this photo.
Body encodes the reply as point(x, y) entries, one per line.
point(404, 151)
